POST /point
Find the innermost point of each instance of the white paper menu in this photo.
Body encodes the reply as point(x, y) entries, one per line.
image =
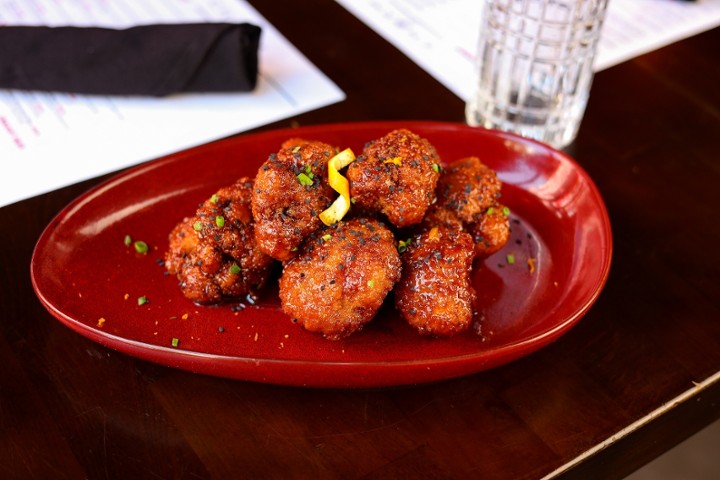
point(441, 35)
point(50, 140)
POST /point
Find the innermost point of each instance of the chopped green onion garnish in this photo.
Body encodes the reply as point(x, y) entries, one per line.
point(296, 149)
point(370, 283)
point(142, 300)
point(326, 237)
point(140, 246)
point(510, 259)
point(234, 269)
point(198, 226)
point(220, 221)
point(436, 168)
point(174, 342)
point(490, 210)
point(506, 211)
point(127, 240)
point(304, 179)
point(214, 198)
point(403, 245)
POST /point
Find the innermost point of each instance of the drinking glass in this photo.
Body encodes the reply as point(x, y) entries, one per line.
point(535, 66)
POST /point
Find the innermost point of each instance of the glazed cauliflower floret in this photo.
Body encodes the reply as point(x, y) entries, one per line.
point(291, 190)
point(213, 253)
point(435, 293)
point(341, 277)
point(395, 175)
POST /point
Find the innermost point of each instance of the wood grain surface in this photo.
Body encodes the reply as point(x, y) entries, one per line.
point(636, 376)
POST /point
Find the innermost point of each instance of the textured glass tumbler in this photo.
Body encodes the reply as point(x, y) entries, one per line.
point(535, 67)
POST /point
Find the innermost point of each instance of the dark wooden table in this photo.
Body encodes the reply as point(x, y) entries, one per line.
point(636, 376)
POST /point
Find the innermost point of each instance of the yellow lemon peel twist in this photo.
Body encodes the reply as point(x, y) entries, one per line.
point(335, 212)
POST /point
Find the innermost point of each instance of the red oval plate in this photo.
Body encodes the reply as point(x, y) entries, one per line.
point(530, 293)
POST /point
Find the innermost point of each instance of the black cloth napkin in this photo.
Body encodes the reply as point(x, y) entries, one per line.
point(155, 60)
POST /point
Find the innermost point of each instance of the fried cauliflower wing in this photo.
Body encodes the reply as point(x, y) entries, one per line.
point(467, 196)
point(341, 277)
point(290, 191)
point(213, 253)
point(435, 293)
point(395, 175)
point(468, 188)
point(491, 231)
